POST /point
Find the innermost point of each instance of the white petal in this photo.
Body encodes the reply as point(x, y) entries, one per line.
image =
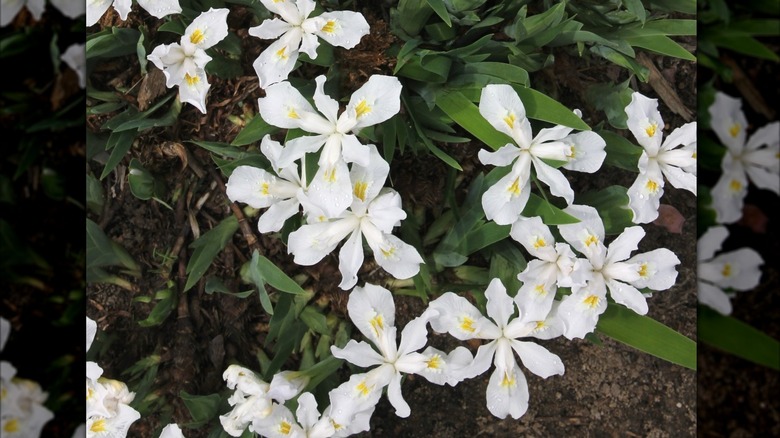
point(331, 189)
point(341, 28)
point(376, 101)
point(768, 135)
point(710, 242)
point(275, 63)
point(656, 269)
point(507, 393)
point(161, 8)
point(586, 153)
point(193, 90)
point(624, 244)
point(645, 122)
point(273, 219)
point(311, 243)
point(679, 178)
point(504, 201)
point(122, 8)
point(644, 197)
point(396, 257)
point(535, 237)
point(580, 311)
point(538, 359)
point(5, 330)
point(535, 297)
point(368, 177)
point(296, 148)
point(287, 9)
point(588, 234)
point(385, 210)
point(715, 298)
point(414, 335)
point(9, 10)
point(500, 306)
point(325, 104)
point(764, 179)
point(358, 353)
point(270, 29)
point(396, 398)
point(456, 316)
point(250, 185)
point(559, 185)
point(740, 269)
point(350, 260)
point(76, 58)
point(628, 296)
point(500, 105)
point(309, 45)
point(728, 196)
point(207, 29)
point(371, 309)
point(354, 151)
point(729, 122)
point(504, 156)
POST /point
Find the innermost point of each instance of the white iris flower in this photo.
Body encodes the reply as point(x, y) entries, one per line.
point(296, 32)
point(504, 201)
point(610, 269)
point(374, 212)
point(755, 160)
point(284, 106)
point(658, 160)
point(372, 311)
point(75, 57)
point(738, 270)
point(259, 188)
point(507, 392)
point(156, 8)
point(282, 424)
point(183, 64)
point(70, 8)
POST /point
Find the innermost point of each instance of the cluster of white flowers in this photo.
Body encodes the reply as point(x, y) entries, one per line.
point(108, 409)
point(157, 8)
point(22, 413)
point(184, 63)
point(340, 201)
point(10, 8)
point(755, 159)
point(659, 159)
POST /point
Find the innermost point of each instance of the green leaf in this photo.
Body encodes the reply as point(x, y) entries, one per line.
point(275, 276)
point(119, 143)
point(102, 251)
point(621, 152)
point(440, 8)
point(550, 214)
point(467, 115)
point(160, 311)
point(542, 107)
point(736, 337)
point(206, 247)
point(255, 130)
point(612, 99)
point(612, 205)
point(112, 42)
point(202, 408)
point(215, 284)
point(647, 335)
point(637, 8)
point(622, 60)
point(315, 320)
point(505, 72)
point(745, 45)
point(143, 184)
point(661, 44)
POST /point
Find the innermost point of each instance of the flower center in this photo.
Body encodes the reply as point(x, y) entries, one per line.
point(197, 36)
point(98, 426)
point(514, 189)
point(191, 80)
point(727, 270)
point(329, 27)
point(360, 190)
point(652, 186)
point(434, 363)
point(362, 108)
point(467, 324)
point(285, 427)
point(734, 130)
point(510, 119)
point(650, 130)
point(11, 425)
point(591, 301)
point(735, 185)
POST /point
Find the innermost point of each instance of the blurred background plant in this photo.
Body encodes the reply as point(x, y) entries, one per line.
point(739, 352)
point(41, 199)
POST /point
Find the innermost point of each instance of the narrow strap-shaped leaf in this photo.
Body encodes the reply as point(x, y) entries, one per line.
point(735, 337)
point(661, 44)
point(467, 115)
point(206, 247)
point(647, 335)
point(275, 276)
point(254, 131)
point(441, 10)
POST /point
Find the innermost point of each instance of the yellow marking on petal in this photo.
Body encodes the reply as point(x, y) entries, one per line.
point(510, 120)
point(363, 388)
point(292, 114)
point(643, 270)
point(377, 323)
point(734, 130)
point(197, 36)
point(191, 80)
point(11, 426)
point(282, 53)
point(336, 426)
point(508, 381)
point(322, 218)
point(90, 393)
point(3, 393)
point(329, 27)
point(387, 253)
point(693, 155)
point(652, 186)
point(650, 130)
point(540, 325)
point(330, 175)
point(591, 240)
point(514, 189)
point(98, 426)
point(360, 190)
point(735, 185)
point(285, 428)
point(727, 270)
point(539, 243)
point(434, 362)
point(264, 191)
point(467, 324)
point(540, 290)
point(591, 301)
point(362, 108)
point(572, 153)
